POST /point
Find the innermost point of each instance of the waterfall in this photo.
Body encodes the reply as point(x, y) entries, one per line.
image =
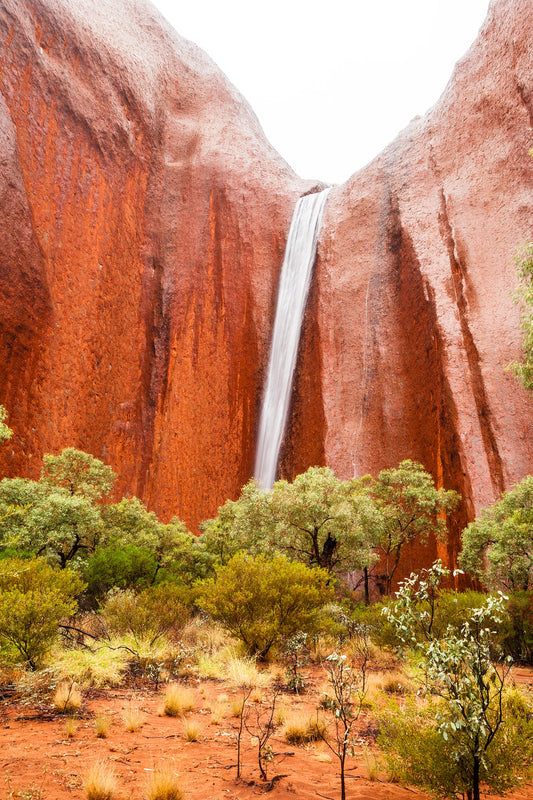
point(295, 280)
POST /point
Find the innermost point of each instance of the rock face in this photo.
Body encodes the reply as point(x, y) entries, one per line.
point(144, 218)
point(143, 221)
point(417, 252)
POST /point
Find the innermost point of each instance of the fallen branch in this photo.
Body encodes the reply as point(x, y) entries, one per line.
point(270, 785)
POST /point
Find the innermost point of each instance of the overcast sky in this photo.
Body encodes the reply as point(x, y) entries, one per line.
point(332, 82)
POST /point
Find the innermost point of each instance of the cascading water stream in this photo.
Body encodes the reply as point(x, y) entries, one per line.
point(295, 281)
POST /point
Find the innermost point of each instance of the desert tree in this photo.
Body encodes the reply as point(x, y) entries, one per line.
point(410, 508)
point(498, 546)
point(470, 719)
point(344, 699)
point(261, 600)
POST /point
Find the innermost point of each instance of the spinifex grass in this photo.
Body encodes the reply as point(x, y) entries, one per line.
point(100, 782)
point(164, 784)
point(67, 697)
point(177, 700)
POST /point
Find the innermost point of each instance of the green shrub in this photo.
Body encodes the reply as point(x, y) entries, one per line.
point(417, 754)
point(260, 599)
point(125, 566)
point(33, 597)
point(471, 726)
point(159, 610)
point(516, 632)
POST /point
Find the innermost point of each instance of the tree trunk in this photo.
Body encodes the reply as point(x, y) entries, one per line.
point(475, 779)
point(367, 590)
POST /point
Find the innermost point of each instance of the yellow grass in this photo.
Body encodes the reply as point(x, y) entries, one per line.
point(100, 782)
point(103, 668)
point(133, 718)
point(71, 726)
point(236, 707)
point(219, 712)
point(67, 697)
point(192, 730)
point(102, 724)
point(301, 728)
point(164, 784)
point(177, 700)
point(243, 673)
point(371, 764)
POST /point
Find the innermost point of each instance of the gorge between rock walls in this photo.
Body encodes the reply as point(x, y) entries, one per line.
point(144, 221)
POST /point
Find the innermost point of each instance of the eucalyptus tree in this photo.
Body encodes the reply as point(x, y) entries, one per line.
point(473, 732)
point(59, 516)
point(316, 519)
point(498, 546)
point(324, 521)
point(410, 508)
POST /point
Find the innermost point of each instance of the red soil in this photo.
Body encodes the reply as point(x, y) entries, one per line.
point(38, 761)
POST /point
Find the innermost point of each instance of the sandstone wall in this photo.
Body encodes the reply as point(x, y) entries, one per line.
point(143, 223)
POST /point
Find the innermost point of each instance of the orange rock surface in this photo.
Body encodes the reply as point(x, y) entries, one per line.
point(144, 217)
point(417, 256)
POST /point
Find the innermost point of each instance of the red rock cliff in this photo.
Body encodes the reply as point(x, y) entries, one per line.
point(143, 223)
point(417, 252)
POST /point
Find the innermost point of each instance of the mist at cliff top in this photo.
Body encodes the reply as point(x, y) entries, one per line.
point(332, 82)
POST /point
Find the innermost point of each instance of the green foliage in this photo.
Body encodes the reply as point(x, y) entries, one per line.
point(261, 599)
point(410, 508)
point(418, 754)
point(470, 722)
point(498, 547)
point(61, 517)
point(57, 516)
point(516, 631)
point(78, 473)
point(62, 526)
point(524, 264)
point(244, 524)
point(34, 596)
point(337, 525)
point(317, 519)
point(156, 611)
point(175, 551)
point(5, 430)
point(322, 521)
point(124, 566)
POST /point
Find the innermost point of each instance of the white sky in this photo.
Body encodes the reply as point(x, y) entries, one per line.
point(332, 82)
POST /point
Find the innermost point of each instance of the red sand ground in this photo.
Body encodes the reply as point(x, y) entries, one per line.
point(38, 761)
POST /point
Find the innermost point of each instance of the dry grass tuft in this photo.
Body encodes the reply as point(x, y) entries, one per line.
point(102, 723)
point(243, 673)
point(177, 700)
point(133, 718)
point(303, 728)
point(164, 784)
point(323, 757)
point(67, 697)
point(280, 715)
point(71, 726)
point(236, 707)
point(396, 683)
point(371, 764)
point(100, 782)
point(192, 730)
point(219, 712)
